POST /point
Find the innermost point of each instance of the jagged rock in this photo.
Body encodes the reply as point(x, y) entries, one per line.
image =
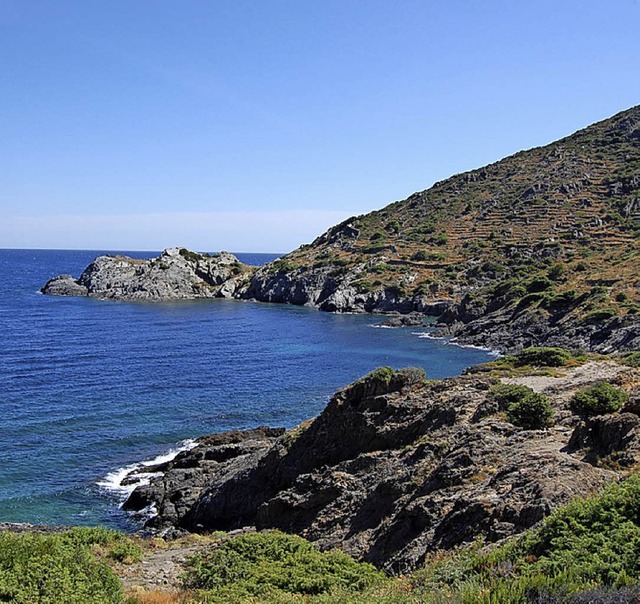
point(64, 285)
point(181, 480)
point(410, 320)
point(176, 274)
point(396, 467)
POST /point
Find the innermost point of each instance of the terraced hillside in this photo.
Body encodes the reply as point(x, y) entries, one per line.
point(551, 233)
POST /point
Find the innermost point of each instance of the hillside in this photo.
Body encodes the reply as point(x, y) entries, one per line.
point(540, 248)
point(547, 235)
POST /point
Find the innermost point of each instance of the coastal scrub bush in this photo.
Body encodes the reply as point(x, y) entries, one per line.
point(274, 566)
point(543, 357)
point(598, 399)
point(525, 408)
point(631, 359)
point(56, 568)
point(507, 394)
point(532, 412)
point(381, 374)
point(600, 315)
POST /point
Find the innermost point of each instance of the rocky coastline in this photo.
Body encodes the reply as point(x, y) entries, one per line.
point(179, 274)
point(397, 467)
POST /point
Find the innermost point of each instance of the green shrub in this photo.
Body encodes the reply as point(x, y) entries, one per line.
point(381, 374)
point(543, 357)
point(539, 284)
point(587, 544)
point(56, 569)
point(125, 551)
point(532, 412)
point(599, 399)
point(557, 272)
point(275, 565)
point(420, 256)
point(631, 359)
point(525, 408)
point(506, 394)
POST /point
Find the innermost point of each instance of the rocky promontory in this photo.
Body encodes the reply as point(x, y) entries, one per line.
point(539, 248)
point(397, 467)
point(177, 274)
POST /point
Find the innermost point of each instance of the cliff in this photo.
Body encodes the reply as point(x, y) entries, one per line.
point(397, 467)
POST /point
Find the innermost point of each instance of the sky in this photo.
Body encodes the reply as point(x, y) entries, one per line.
point(254, 125)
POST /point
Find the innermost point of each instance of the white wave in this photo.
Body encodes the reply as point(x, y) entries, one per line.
point(453, 342)
point(112, 482)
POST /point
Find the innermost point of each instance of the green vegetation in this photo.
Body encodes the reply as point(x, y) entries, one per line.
point(273, 565)
point(532, 412)
point(598, 399)
point(631, 359)
point(525, 408)
point(381, 374)
point(63, 568)
point(543, 357)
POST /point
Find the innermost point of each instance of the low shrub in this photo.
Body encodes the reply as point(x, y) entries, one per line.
point(274, 565)
point(525, 408)
point(56, 569)
point(631, 359)
point(598, 399)
point(507, 394)
point(533, 412)
point(543, 357)
point(600, 315)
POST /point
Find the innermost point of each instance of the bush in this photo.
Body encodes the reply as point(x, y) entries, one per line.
point(275, 565)
point(631, 359)
point(507, 394)
point(525, 408)
point(55, 569)
point(599, 316)
point(543, 357)
point(599, 399)
point(533, 412)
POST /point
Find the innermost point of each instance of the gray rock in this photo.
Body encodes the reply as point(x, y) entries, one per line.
point(177, 274)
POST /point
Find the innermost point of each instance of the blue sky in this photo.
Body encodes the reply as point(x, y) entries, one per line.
point(255, 125)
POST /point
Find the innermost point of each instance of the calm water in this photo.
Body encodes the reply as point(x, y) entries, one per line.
point(87, 387)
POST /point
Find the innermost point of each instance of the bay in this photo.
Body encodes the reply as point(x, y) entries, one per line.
point(90, 386)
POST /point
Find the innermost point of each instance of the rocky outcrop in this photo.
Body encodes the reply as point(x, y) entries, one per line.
point(397, 467)
point(178, 483)
point(177, 274)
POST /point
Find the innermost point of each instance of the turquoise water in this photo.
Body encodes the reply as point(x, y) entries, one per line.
point(89, 386)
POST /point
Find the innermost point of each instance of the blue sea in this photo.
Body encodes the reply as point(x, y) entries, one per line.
point(89, 387)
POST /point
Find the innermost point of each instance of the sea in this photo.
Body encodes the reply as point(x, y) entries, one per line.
point(92, 388)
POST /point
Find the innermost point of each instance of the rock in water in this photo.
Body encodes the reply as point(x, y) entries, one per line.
point(177, 274)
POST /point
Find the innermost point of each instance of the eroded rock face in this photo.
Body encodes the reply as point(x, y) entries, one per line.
point(182, 480)
point(395, 468)
point(177, 274)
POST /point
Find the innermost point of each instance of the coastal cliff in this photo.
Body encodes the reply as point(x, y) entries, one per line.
point(397, 467)
point(540, 248)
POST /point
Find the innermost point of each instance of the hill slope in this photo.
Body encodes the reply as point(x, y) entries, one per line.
point(547, 236)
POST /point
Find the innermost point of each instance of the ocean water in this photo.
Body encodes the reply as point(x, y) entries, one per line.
point(88, 387)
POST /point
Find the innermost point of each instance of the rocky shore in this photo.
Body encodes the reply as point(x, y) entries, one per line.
point(397, 467)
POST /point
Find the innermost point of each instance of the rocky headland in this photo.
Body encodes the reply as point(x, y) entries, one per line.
point(177, 274)
point(540, 248)
point(397, 467)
